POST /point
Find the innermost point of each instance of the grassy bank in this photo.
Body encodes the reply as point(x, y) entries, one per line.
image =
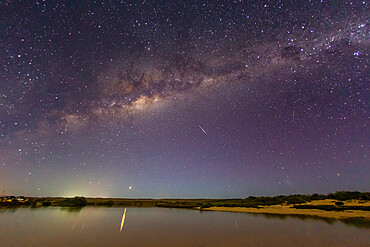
point(327, 210)
point(342, 204)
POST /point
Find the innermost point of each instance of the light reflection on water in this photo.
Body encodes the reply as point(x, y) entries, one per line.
point(123, 220)
point(94, 226)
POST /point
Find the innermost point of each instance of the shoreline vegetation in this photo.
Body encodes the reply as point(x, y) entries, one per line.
point(339, 205)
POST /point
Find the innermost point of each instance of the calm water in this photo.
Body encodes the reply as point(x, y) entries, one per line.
point(94, 226)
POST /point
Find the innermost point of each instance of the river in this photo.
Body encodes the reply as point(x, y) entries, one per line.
point(101, 226)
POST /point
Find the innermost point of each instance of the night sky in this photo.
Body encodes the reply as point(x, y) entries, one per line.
point(214, 99)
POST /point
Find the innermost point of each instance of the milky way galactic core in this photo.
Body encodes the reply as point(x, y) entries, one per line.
point(157, 99)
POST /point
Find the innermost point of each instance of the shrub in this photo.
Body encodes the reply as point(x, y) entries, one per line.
point(346, 195)
point(109, 203)
point(77, 201)
point(46, 204)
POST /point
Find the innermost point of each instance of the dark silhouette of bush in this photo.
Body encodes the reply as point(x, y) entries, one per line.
point(108, 203)
point(317, 197)
point(347, 195)
point(365, 196)
point(296, 199)
point(77, 201)
point(30, 202)
point(46, 204)
point(339, 203)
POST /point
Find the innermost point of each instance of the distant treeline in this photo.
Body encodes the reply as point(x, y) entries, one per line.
point(250, 201)
point(255, 202)
point(77, 201)
point(13, 203)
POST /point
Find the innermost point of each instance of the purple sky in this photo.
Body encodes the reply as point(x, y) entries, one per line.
point(213, 99)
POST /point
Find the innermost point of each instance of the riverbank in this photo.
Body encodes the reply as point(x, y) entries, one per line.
point(327, 212)
point(338, 205)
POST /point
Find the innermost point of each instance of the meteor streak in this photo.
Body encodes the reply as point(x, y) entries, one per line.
point(203, 130)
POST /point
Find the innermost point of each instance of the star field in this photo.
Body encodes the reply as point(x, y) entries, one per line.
point(183, 99)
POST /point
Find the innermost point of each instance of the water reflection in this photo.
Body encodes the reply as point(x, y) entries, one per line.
point(357, 222)
point(72, 210)
point(8, 210)
point(161, 227)
point(123, 220)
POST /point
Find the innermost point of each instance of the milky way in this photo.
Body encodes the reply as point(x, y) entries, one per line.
point(183, 99)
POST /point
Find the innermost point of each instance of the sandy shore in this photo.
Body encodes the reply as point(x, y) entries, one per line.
point(287, 210)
